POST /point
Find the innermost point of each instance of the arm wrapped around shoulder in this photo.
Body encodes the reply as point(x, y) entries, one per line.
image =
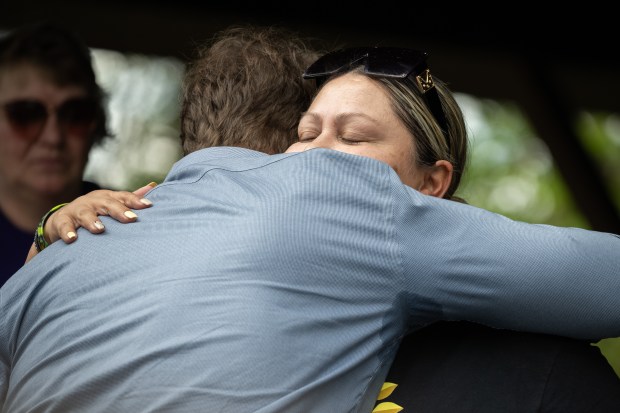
point(509, 274)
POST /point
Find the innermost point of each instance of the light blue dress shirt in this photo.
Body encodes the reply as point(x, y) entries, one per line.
point(281, 283)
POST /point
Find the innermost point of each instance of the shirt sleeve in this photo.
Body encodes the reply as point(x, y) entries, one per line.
point(4, 356)
point(460, 262)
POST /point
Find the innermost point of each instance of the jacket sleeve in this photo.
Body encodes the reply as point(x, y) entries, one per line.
point(460, 262)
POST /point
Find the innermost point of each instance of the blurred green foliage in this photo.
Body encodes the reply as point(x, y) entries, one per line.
point(511, 170)
point(600, 136)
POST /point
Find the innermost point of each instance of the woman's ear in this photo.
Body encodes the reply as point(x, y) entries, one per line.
point(437, 179)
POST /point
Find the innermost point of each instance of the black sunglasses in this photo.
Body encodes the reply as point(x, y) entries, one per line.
point(27, 117)
point(393, 62)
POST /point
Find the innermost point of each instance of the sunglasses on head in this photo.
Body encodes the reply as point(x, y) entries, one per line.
point(391, 62)
point(76, 116)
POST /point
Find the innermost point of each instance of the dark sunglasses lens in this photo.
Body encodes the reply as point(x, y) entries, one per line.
point(335, 61)
point(78, 116)
point(384, 61)
point(26, 117)
point(393, 62)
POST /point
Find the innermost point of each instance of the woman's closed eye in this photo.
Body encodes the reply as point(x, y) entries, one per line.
point(306, 138)
point(350, 140)
point(342, 139)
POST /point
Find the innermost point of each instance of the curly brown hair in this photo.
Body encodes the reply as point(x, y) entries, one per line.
point(245, 89)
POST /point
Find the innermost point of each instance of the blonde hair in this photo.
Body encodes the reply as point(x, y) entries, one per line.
point(431, 142)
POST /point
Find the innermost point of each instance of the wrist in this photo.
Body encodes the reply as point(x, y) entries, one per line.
point(40, 242)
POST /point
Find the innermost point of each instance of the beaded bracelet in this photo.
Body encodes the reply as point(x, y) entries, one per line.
point(39, 236)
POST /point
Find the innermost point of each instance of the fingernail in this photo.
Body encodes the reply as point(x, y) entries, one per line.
point(146, 202)
point(153, 184)
point(99, 225)
point(130, 214)
point(71, 234)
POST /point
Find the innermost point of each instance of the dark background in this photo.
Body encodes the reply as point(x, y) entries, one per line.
point(552, 62)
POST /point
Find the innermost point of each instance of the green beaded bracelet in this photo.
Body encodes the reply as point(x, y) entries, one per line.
point(39, 236)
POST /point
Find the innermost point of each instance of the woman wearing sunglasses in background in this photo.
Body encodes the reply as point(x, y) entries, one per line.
point(383, 103)
point(51, 114)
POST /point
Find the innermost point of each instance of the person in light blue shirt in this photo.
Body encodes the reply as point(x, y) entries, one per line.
point(286, 282)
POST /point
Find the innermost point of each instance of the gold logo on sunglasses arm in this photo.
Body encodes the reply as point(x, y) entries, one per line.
point(425, 81)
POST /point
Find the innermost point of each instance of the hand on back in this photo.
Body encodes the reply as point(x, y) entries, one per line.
point(85, 211)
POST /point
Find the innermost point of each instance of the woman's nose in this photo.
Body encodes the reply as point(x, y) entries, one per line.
point(51, 132)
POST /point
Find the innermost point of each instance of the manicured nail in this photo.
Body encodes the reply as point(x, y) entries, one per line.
point(146, 202)
point(130, 214)
point(71, 235)
point(99, 225)
point(153, 184)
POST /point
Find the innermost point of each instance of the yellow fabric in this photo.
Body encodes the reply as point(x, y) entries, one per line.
point(386, 390)
point(387, 407)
